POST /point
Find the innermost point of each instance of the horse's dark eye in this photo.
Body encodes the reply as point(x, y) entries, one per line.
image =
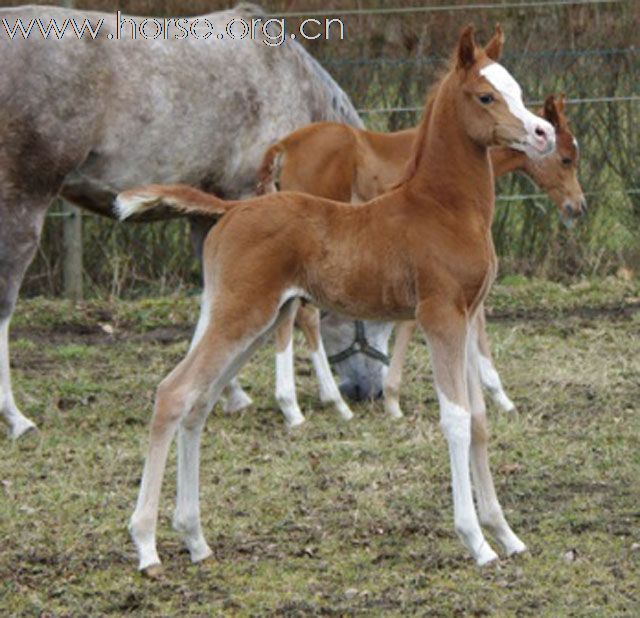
point(485, 99)
point(567, 161)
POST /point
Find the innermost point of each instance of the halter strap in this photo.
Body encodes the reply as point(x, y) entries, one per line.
point(360, 345)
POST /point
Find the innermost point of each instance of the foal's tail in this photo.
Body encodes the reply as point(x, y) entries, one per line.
point(269, 171)
point(180, 198)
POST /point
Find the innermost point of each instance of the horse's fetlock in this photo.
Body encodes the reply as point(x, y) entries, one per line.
point(186, 524)
point(465, 527)
point(140, 526)
point(492, 518)
point(286, 401)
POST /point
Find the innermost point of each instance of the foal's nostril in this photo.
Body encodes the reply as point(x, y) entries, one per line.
point(583, 206)
point(568, 210)
point(540, 132)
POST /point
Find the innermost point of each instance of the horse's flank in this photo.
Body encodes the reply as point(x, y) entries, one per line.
point(205, 125)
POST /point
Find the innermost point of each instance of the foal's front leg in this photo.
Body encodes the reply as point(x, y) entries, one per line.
point(491, 515)
point(446, 332)
point(488, 374)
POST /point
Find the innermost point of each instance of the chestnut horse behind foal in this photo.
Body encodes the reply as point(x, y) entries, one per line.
point(352, 164)
point(349, 164)
point(422, 251)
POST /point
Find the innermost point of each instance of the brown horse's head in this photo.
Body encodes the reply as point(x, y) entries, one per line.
point(557, 174)
point(489, 100)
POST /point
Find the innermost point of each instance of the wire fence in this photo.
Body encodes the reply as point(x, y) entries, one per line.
point(588, 49)
point(590, 101)
point(462, 6)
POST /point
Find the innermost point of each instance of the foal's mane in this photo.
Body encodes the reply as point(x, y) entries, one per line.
point(423, 127)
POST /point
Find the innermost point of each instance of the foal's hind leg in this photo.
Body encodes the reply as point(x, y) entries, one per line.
point(186, 518)
point(488, 374)
point(185, 397)
point(235, 398)
point(19, 236)
point(308, 319)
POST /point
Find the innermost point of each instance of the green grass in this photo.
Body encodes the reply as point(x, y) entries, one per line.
point(334, 518)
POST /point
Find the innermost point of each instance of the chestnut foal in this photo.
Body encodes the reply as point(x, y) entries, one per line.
point(355, 165)
point(422, 251)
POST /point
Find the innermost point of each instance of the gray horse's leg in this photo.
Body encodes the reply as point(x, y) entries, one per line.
point(199, 228)
point(19, 236)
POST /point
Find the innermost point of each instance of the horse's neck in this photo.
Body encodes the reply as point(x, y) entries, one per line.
point(452, 169)
point(505, 160)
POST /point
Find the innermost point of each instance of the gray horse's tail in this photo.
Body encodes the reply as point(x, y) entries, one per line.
point(180, 198)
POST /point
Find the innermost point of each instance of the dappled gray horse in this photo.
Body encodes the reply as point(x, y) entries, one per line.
point(88, 118)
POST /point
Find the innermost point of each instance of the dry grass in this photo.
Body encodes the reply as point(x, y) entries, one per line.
point(334, 518)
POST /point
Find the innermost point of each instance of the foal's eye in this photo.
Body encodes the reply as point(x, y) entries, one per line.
point(567, 161)
point(485, 99)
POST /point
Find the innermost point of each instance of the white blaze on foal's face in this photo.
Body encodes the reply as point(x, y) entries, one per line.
point(539, 135)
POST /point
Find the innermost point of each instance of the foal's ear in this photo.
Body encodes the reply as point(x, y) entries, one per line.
point(550, 111)
point(561, 101)
point(494, 46)
point(466, 48)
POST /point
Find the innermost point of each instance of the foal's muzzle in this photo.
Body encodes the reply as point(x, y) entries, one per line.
point(573, 210)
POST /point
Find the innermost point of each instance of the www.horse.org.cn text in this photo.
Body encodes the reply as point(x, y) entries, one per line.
point(271, 31)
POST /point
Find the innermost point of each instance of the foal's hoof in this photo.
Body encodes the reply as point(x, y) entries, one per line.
point(295, 422)
point(201, 553)
point(153, 571)
point(238, 402)
point(22, 429)
point(393, 409)
point(517, 548)
point(486, 556)
point(345, 411)
point(506, 404)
